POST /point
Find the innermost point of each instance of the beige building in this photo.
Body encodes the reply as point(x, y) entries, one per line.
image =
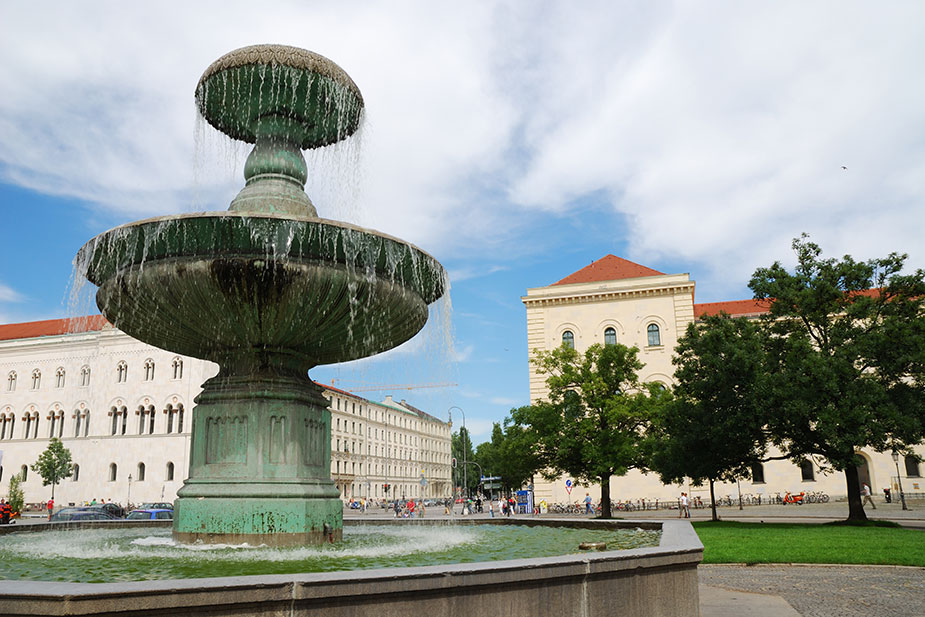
point(123, 409)
point(615, 300)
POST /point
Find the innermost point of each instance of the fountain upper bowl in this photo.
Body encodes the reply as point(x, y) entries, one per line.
point(225, 284)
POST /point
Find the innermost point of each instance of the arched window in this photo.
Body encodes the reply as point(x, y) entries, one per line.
point(86, 422)
point(655, 337)
point(151, 415)
point(124, 414)
point(36, 379)
point(85, 376)
point(121, 372)
point(806, 469)
point(77, 420)
point(610, 336)
point(1, 473)
point(568, 339)
point(141, 472)
point(24, 473)
point(75, 475)
point(177, 368)
point(912, 467)
point(180, 419)
point(59, 377)
point(140, 412)
point(113, 470)
point(115, 420)
point(11, 381)
point(149, 370)
point(757, 473)
point(169, 471)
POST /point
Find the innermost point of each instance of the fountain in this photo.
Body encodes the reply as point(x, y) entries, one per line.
point(267, 290)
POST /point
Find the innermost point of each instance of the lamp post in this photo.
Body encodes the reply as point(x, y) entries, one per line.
point(902, 495)
point(128, 497)
point(465, 449)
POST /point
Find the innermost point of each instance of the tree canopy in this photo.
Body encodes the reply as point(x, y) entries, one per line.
point(461, 447)
point(713, 429)
point(593, 421)
point(53, 464)
point(846, 349)
point(509, 455)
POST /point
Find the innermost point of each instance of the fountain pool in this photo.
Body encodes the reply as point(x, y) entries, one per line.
point(103, 555)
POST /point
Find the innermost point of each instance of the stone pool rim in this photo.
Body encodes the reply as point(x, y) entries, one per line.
point(660, 580)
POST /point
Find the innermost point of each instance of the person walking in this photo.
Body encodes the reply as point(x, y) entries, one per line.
point(588, 509)
point(865, 496)
point(685, 506)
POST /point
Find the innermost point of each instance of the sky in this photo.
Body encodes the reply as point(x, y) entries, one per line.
point(514, 141)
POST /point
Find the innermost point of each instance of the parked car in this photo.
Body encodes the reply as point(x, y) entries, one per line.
point(161, 505)
point(112, 509)
point(150, 514)
point(81, 514)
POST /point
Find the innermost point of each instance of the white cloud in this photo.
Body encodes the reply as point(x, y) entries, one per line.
point(718, 131)
point(8, 294)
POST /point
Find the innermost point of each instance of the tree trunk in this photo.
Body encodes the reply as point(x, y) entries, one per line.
point(855, 507)
point(605, 496)
point(713, 501)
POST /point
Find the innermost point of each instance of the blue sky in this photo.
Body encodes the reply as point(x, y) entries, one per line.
point(515, 141)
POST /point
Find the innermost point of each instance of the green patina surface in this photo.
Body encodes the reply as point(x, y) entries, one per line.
point(226, 520)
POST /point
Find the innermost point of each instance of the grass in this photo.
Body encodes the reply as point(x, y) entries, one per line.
point(734, 542)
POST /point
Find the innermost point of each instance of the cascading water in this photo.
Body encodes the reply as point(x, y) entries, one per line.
point(267, 290)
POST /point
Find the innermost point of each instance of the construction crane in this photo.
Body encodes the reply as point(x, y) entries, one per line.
point(392, 386)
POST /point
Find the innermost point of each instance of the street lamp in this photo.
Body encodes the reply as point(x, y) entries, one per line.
point(128, 497)
point(465, 449)
point(902, 495)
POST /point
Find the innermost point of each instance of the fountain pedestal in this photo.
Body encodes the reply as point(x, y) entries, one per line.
point(260, 464)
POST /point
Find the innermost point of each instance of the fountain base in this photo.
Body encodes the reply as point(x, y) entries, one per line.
point(259, 461)
point(270, 521)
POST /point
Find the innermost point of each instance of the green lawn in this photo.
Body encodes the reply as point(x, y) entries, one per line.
point(732, 542)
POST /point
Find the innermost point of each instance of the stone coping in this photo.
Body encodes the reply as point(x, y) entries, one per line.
point(679, 553)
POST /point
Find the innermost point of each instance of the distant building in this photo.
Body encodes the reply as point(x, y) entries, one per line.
point(615, 300)
point(124, 410)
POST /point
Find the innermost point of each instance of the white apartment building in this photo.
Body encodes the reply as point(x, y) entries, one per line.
point(615, 300)
point(123, 407)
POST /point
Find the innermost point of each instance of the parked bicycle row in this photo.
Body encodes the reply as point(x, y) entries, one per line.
point(697, 502)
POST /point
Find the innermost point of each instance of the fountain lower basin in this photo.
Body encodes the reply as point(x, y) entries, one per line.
point(659, 580)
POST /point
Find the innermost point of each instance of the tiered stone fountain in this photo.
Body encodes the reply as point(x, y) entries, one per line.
point(267, 290)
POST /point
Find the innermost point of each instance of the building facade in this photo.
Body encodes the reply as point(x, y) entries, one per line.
point(123, 408)
point(615, 300)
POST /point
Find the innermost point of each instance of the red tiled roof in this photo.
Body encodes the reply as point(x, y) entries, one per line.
point(608, 268)
point(733, 308)
point(51, 327)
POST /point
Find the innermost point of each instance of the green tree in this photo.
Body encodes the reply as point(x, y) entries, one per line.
point(53, 464)
point(461, 447)
point(847, 358)
point(509, 455)
point(594, 420)
point(714, 428)
point(16, 497)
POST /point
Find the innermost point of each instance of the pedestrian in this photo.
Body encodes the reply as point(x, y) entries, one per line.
point(865, 496)
point(886, 495)
point(684, 509)
point(491, 510)
point(5, 511)
point(51, 507)
point(588, 509)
